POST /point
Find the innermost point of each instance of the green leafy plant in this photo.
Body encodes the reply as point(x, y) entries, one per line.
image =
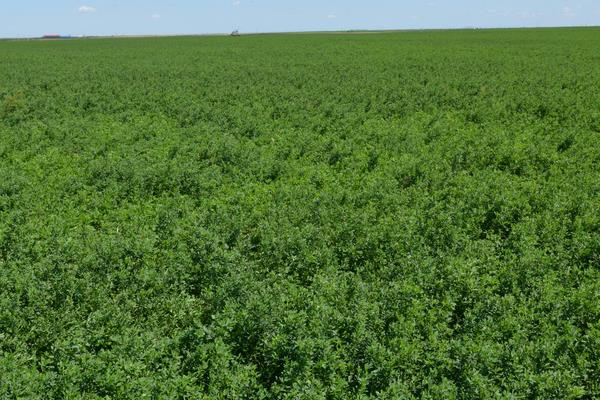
point(316, 216)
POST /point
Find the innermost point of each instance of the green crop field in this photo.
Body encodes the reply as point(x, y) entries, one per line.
point(410, 215)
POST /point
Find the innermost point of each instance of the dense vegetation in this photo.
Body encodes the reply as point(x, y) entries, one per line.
point(316, 216)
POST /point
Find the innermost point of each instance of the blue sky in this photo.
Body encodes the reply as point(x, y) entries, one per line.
point(25, 18)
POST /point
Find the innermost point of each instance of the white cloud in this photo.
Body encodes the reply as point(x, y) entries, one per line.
point(237, 2)
point(155, 16)
point(568, 12)
point(526, 14)
point(331, 16)
point(502, 13)
point(87, 9)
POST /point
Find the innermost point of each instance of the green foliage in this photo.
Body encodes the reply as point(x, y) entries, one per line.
point(398, 215)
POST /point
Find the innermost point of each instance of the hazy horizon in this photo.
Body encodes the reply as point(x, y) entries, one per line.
point(30, 18)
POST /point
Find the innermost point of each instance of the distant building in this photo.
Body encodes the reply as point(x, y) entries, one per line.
point(235, 33)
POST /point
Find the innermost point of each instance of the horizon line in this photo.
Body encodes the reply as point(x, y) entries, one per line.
point(242, 33)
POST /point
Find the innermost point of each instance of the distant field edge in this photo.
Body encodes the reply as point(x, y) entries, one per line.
point(349, 31)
